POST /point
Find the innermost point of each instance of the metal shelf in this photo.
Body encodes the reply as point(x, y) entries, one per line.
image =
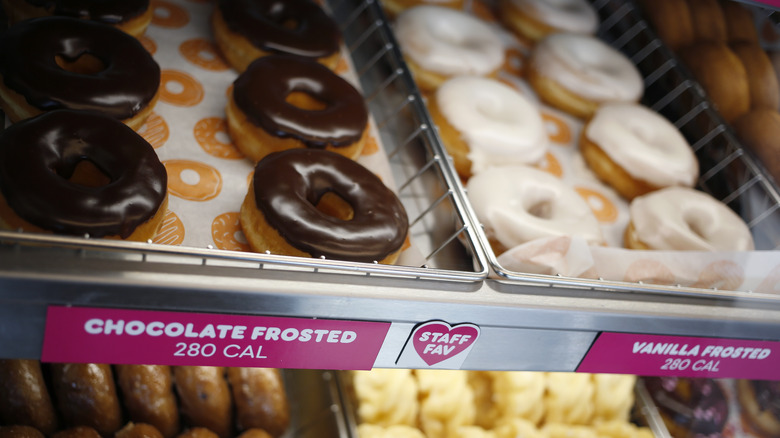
point(526, 323)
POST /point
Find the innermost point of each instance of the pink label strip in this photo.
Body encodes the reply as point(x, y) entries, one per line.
point(655, 355)
point(97, 335)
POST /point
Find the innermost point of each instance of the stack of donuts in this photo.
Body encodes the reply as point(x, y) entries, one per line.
point(133, 401)
point(497, 138)
point(494, 404)
point(718, 42)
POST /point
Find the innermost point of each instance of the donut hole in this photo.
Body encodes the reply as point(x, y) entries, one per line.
point(541, 209)
point(86, 174)
point(334, 205)
point(305, 101)
point(84, 64)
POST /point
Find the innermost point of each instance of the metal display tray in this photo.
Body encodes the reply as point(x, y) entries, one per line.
point(440, 227)
point(729, 172)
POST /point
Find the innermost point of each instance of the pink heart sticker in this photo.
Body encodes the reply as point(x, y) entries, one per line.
point(436, 341)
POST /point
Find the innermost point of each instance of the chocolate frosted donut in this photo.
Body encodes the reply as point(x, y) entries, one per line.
point(109, 12)
point(690, 407)
point(366, 224)
point(262, 97)
point(248, 29)
point(58, 62)
point(73, 172)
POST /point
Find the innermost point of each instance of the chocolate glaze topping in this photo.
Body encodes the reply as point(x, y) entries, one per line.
point(296, 27)
point(38, 155)
point(767, 396)
point(289, 184)
point(106, 11)
point(261, 90)
point(28, 53)
point(696, 404)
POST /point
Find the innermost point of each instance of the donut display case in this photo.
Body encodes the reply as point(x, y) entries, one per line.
point(450, 283)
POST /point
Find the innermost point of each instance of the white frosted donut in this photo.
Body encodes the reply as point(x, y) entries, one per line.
point(575, 16)
point(448, 41)
point(499, 125)
point(644, 144)
point(588, 67)
point(517, 204)
point(679, 218)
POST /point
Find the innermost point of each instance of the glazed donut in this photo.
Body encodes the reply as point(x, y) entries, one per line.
point(285, 102)
point(260, 399)
point(739, 22)
point(680, 218)
point(20, 432)
point(578, 73)
point(635, 150)
point(255, 433)
point(86, 396)
point(709, 23)
point(759, 131)
point(130, 16)
point(762, 81)
point(112, 185)
point(24, 399)
point(533, 20)
point(690, 407)
point(671, 20)
point(197, 432)
point(517, 204)
point(758, 400)
point(439, 43)
point(395, 7)
point(245, 30)
point(722, 75)
point(312, 203)
point(205, 398)
point(138, 430)
point(147, 394)
point(58, 62)
point(77, 432)
point(484, 122)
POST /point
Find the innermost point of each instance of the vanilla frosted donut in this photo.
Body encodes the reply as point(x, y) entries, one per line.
point(535, 19)
point(636, 150)
point(440, 43)
point(678, 218)
point(517, 204)
point(484, 123)
point(578, 73)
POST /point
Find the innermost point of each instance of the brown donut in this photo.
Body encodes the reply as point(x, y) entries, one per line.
point(86, 396)
point(764, 87)
point(671, 20)
point(759, 131)
point(24, 399)
point(205, 398)
point(138, 430)
point(260, 399)
point(314, 203)
point(77, 432)
point(65, 63)
point(197, 432)
point(722, 75)
point(709, 23)
point(285, 102)
point(147, 393)
point(130, 16)
point(20, 432)
point(739, 22)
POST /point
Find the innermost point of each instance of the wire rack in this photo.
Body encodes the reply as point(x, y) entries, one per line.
point(440, 227)
point(728, 171)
